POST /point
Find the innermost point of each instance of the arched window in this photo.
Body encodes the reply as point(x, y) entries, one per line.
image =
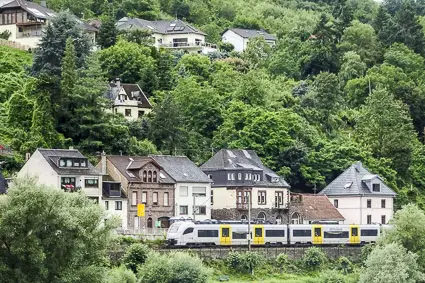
point(155, 177)
point(262, 216)
point(144, 176)
point(239, 176)
point(149, 222)
point(295, 218)
point(244, 217)
point(279, 219)
point(149, 176)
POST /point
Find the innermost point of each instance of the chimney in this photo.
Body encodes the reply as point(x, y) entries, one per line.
point(71, 148)
point(358, 166)
point(43, 3)
point(118, 83)
point(27, 156)
point(103, 163)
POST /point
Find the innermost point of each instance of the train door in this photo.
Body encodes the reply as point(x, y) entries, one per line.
point(354, 234)
point(258, 234)
point(225, 232)
point(317, 234)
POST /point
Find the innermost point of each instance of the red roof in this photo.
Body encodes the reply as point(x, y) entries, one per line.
point(315, 207)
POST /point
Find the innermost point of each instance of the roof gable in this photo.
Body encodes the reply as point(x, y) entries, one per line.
point(250, 33)
point(131, 91)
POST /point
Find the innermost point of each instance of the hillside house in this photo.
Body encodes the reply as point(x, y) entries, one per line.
point(360, 196)
point(240, 38)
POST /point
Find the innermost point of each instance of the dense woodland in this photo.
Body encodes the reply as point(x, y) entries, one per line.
point(344, 83)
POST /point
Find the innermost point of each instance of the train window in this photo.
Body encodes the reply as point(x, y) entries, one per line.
point(317, 232)
point(275, 233)
point(225, 232)
point(236, 235)
point(336, 234)
point(301, 233)
point(354, 232)
point(188, 231)
point(258, 232)
point(207, 233)
point(369, 232)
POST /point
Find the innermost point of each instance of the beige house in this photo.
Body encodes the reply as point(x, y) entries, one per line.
point(128, 100)
point(361, 197)
point(172, 34)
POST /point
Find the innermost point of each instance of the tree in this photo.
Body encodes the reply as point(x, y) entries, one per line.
point(314, 258)
point(64, 240)
point(352, 67)
point(5, 34)
point(108, 32)
point(135, 255)
point(257, 53)
point(121, 275)
point(195, 65)
point(391, 263)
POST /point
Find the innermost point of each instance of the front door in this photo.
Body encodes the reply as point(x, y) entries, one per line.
point(317, 234)
point(258, 234)
point(354, 234)
point(225, 231)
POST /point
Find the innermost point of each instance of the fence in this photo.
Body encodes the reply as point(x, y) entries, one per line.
point(14, 44)
point(145, 233)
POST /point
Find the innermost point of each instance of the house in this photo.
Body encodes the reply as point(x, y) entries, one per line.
point(3, 184)
point(192, 187)
point(114, 200)
point(65, 169)
point(360, 196)
point(26, 20)
point(143, 181)
point(128, 99)
point(172, 34)
point(239, 38)
point(309, 209)
point(239, 176)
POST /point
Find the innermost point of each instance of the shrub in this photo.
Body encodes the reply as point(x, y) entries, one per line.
point(244, 262)
point(313, 258)
point(366, 250)
point(121, 275)
point(173, 268)
point(332, 276)
point(135, 255)
point(233, 260)
point(344, 265)
point(282, 259)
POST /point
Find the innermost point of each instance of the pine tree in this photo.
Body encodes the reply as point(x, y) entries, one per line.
point(69, 72)
point(107, 33)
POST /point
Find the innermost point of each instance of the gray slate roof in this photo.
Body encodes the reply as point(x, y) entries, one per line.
point(353, 182)
point(251, 33)
point(234, 159)
point(161, 26)
point(181, 169)
point(130, 90)
point(53, 155)
point(3, 184)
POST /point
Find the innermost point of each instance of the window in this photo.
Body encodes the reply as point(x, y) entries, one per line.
point(225, 232)
point(183, 210)
point(382, 203)
point(369, 219)
point(301, 233)
point(261, 216)
point(166, 199)
point(336, 203)
point(258, 232)
point(155, 177)
point(150, 222)
point(317, 232)
point(262, 197)
point(155, 198)
point(295, 218)
point(134, 198)
point(354, 232)
point(275, 233)
point(141, 113)
point(68, 182)
point(106, 205)
point(136, 222)
point(145, 176)
point(128, 112)
point(376, 187)
point(212, 197)
point(68, 163)
point(83, 163)
point(369, 203)
point(144, 197)
point(383, 219)
point(208, 233)
point(183, 191)
point(369, 232)
point(335, 234)
point(149, 176)
point(188, 231)
point(278, 198)
point(244, 217)
point(199, 191)
point(239, 176)
point(200, 210)
point(118, 205)
point(62, 163)
point(239, 235)
point(91, 183)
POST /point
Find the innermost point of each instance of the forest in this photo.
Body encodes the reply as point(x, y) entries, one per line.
point(344, 83)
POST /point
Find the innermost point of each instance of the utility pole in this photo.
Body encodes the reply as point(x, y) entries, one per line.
point(249, 221)
point(193, 208)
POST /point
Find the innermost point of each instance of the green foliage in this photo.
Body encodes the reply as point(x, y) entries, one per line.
point(344, 265)
point(121, 275)
point(332, 276)
point(366, 250)
point(108, 33)
point(5, 34)
point(135, 255)
point(314, 258)
point(244, 262)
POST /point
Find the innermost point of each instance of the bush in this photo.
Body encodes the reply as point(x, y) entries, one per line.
point(344, 265)
point(244, 262)
point(173, 268)
point(282, 259)
point(313, 258)
point(366, 250)
point(332, 276)
point(121, 275)
point(135, 255)
point(233, 260)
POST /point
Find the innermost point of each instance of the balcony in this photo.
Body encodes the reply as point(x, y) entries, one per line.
point(111, 189)
point(199, 45)
point(33, 33)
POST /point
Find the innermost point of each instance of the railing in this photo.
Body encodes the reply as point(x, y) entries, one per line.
point(188, 45)
point(37, 33)
point(147, 233)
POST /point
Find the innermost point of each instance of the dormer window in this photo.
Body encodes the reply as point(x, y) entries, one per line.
point(68, 163)
point(376, 187)
point(145, 174)
point(150, 176)
point(83, 163)
point(239, 176)
point(62, 163)
point(72, 162)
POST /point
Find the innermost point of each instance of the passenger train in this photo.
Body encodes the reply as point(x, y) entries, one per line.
point(190, 234)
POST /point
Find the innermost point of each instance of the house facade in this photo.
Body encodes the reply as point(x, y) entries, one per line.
point(240, 38)
point(239, 176)
point(311, 209)
point(65, 169)
point(192, 187)
point(172, 34)
point(143, 181)
point(361, 197)
point(26, 21)
point(128, 100)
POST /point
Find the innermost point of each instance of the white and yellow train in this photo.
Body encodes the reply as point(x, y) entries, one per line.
point(206, 234)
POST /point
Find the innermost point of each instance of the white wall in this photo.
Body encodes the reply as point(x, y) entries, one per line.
point(188, 200)
point(355, 211)
point(37, 167)
point(111, 211)
point(236, 40)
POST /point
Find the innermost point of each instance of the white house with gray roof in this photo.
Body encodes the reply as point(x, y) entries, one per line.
point(172, 34)
point(240, 38)
point(192, 187)
point(239, 176)
point(360, 196)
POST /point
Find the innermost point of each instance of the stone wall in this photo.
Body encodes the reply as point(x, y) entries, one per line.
point(236, 214)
